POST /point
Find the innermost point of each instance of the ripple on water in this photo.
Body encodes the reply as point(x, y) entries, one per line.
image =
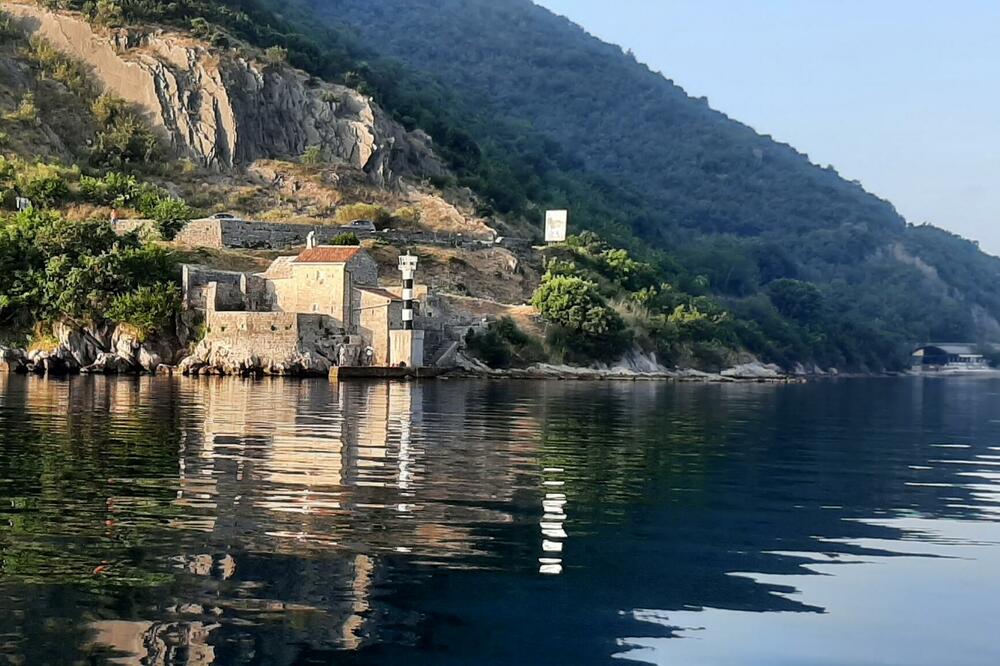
point(220, 521)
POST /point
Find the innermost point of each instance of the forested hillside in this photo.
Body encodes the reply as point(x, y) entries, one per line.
point(786, 259)
point(557, 117)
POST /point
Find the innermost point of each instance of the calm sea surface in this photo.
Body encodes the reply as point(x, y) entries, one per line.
point(170, 521)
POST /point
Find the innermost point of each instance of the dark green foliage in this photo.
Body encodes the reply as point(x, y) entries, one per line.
point(797, 300)
point(170, 216)
point(349, 238)
point(124, 137)
point(148, 309)
point(114, 189)
point(119, 189)
point(587, 327)
point(52, 268)
point(503, 343)
point(533, 113)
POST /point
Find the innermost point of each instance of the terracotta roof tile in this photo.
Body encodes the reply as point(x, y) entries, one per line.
point(328, 254)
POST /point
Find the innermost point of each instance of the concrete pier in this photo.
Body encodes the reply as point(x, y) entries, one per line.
point(347, 373)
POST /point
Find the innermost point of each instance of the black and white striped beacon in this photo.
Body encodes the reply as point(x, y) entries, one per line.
point(408, 267)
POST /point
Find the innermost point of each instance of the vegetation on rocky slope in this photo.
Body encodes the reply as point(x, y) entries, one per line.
point(733, 241)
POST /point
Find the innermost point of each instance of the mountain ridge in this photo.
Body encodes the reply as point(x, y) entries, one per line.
point(723, 201)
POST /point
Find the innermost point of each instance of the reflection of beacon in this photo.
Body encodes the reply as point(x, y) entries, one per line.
point(407, 345)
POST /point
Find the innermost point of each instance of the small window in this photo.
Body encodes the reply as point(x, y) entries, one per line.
point(315, 307)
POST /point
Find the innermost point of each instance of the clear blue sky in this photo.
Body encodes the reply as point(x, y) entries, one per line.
point(903, 95)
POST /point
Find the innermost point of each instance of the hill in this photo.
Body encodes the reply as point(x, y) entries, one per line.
point(470, 117)
point(561, 118)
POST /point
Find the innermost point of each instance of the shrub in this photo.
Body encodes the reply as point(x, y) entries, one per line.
point(124, 137)
point(490, 347)
point(45, 184)
point(350, 238)
point(313, 156)
point(276, 55)
point(503, 343)
point(59, 67)
point(407, 215)
point(593, 329)
point(109, 13)
point(149, 309)
point(115, 189)
point(574, 303)
point(26, 111)
point(362, 211)
point(52, 268)
point(170, 215)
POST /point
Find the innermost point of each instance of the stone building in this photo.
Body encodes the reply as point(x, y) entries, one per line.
point(324, 305)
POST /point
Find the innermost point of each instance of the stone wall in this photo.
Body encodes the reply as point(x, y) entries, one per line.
point(227, 296)
point(263, 334)
point(202, 233)
point(364, 270)
point(240, 234)
point(275, 336)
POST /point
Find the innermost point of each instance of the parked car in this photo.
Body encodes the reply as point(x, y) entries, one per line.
point(366, 226)
point(223, 216)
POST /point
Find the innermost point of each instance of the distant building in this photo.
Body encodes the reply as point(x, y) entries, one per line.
point(951, 356)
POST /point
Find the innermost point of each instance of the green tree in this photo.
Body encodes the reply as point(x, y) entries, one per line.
point(350, 238)
point(148, 309)
point(170, 215)
point(795, 299)
point(575, 305)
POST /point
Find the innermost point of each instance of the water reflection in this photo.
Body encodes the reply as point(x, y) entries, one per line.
point(169, 521)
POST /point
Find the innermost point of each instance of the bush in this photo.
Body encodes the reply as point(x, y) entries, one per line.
point(276, 55)
point(490, 347)
point(407, 215)
point(503, 342)
point(149, 309)
point(45, 184)
point(115, 189)
point(350, 238)
point(59, 67)
point(362, 211)
point(52, 268)
point(170, 215)
point(575, 304)
point(26, 112)
point(124, 137)
point(313, 156)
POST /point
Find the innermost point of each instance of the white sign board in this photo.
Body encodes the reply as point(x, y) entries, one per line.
point(556, 222)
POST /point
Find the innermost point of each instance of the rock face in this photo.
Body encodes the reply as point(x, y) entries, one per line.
point(755, 371)
point(224, 110)
point(102, 350)
point(211, 358)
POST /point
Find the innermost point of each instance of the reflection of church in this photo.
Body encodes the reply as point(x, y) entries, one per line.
point(297, 493)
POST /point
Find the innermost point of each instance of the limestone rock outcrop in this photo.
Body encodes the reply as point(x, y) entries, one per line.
point(210, 358)
point(224, 109)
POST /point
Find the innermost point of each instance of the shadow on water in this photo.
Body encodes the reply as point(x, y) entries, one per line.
point(169, 521)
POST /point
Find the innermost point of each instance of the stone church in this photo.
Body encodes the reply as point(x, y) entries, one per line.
point(325, 302)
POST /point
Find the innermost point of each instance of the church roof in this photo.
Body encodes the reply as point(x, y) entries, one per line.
point(384, 293)
point(328, 254)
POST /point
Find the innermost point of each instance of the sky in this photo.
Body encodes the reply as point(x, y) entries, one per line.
point(902, 95)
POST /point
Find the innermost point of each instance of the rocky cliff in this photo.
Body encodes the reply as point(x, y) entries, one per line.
point(225, 110)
